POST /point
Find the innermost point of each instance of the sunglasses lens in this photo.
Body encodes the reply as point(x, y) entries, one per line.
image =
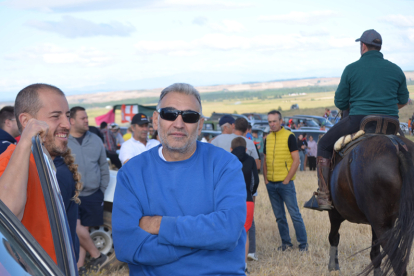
point(169, 115)
point(190, 117)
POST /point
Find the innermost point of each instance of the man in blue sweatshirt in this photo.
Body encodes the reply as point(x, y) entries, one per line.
point(179, 208)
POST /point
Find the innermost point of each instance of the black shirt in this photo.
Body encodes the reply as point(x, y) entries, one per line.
point(291, 144)
point(80, 139)
point(302, 143)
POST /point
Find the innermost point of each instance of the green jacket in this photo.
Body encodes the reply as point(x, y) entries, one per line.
point(372, 85)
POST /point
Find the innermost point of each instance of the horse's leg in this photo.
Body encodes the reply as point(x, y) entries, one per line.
point(336, 220)
point(375, 251)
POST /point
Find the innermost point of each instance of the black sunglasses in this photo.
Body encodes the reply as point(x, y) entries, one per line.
point(189, 116)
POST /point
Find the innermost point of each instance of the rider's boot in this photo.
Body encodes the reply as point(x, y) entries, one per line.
point(323, 196)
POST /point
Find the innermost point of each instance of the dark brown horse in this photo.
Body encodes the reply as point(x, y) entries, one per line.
point(374, 184)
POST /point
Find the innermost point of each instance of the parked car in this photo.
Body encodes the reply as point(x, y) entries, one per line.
point(210, 133)
point(304, 121)
point(20, 253)
point(294, 106)
point(318, 119)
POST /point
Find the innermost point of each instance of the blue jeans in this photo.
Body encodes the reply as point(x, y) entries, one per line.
point(302, 160)
point(279, 195)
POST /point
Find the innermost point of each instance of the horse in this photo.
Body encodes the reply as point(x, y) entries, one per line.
point(374, 184)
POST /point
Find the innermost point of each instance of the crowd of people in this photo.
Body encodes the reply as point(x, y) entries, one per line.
point(178, 200)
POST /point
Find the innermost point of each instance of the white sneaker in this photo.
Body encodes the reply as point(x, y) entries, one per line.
point(252, 257)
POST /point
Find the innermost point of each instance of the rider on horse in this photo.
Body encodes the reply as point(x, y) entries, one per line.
point(371, 85)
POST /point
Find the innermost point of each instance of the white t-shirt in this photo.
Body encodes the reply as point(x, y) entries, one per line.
point(133, 147)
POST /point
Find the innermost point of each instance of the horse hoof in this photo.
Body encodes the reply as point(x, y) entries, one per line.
point(334, 273)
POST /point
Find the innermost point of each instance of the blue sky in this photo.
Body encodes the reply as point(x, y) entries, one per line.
point(85, 46)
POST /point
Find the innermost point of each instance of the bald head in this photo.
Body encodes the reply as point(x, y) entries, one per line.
point(28, 100)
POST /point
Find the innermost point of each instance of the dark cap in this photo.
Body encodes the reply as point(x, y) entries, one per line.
point(226, 119)
point(139, 119)
point(371, 37)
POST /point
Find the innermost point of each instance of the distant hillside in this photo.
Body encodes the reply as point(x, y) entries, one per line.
point(149, 95)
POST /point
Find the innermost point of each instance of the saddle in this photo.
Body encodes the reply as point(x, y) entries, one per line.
point(370, 126)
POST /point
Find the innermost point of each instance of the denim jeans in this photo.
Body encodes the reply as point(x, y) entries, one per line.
point(302, 160)
point(279, 195)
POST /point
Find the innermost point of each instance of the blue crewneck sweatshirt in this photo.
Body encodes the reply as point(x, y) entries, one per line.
point(203, 204)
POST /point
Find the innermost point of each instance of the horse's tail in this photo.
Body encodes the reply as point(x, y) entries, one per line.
point(400, 237)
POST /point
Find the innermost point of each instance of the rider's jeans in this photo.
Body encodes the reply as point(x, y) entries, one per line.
point(347, 125)
point(279, 195)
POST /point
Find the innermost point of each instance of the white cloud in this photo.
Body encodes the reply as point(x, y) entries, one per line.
point(261, 43)
point(94, 5)
point(76, 27)
point(227, 26)
point(52, 54)
point(296, 17)
point(398, 20)
point(200, 20)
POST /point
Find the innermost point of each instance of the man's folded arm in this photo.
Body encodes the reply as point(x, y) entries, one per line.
point(219, 230)
point(132, 244)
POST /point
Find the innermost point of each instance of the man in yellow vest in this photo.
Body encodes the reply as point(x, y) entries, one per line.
point(280, 164)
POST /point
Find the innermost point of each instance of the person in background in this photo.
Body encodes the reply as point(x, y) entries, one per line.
point(327, 113)
point(90, 155)
point(128, 134)
point(110, 145)
point(95, 130)
point(322, 126)
point(302, 151)
point(281, 164)
point(371, 85)
point(179, 209)
point(251, 179)
point(8, 128)
point(206, 138)
point(150, 131)
point(305, 140)
point(249, 132)
point(116, 130)
point(240, 127)
point(139, 142)
point(312, 151)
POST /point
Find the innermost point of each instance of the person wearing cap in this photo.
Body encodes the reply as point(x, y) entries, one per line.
point(179, 209)
point(371, 85)
point(116, 130)
point(138, 143)
point(238, 128)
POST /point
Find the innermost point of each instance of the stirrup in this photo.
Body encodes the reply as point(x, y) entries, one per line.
point(313, 204)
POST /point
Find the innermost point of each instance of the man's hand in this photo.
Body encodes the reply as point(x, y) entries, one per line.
point(33, 128)
point(266, 181)
point(150, 224)
point(286, 181)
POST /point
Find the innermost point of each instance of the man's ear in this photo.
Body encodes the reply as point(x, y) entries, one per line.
point(200, 125)
point(72, 121)
point(155, 120)
point(24, 119)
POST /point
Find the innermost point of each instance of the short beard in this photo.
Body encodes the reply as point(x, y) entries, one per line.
point(192, 139)
point(54, 150)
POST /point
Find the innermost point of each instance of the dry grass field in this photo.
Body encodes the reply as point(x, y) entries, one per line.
point(271, 262)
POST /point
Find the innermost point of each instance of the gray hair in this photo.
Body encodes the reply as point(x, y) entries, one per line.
point(183, 88)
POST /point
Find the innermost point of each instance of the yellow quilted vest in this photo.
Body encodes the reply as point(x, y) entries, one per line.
point(278, 157)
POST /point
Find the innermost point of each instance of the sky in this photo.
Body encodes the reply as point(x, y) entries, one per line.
point(85, 46)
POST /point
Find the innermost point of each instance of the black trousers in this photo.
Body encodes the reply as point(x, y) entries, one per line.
point(312, 163)
point(348, 125)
